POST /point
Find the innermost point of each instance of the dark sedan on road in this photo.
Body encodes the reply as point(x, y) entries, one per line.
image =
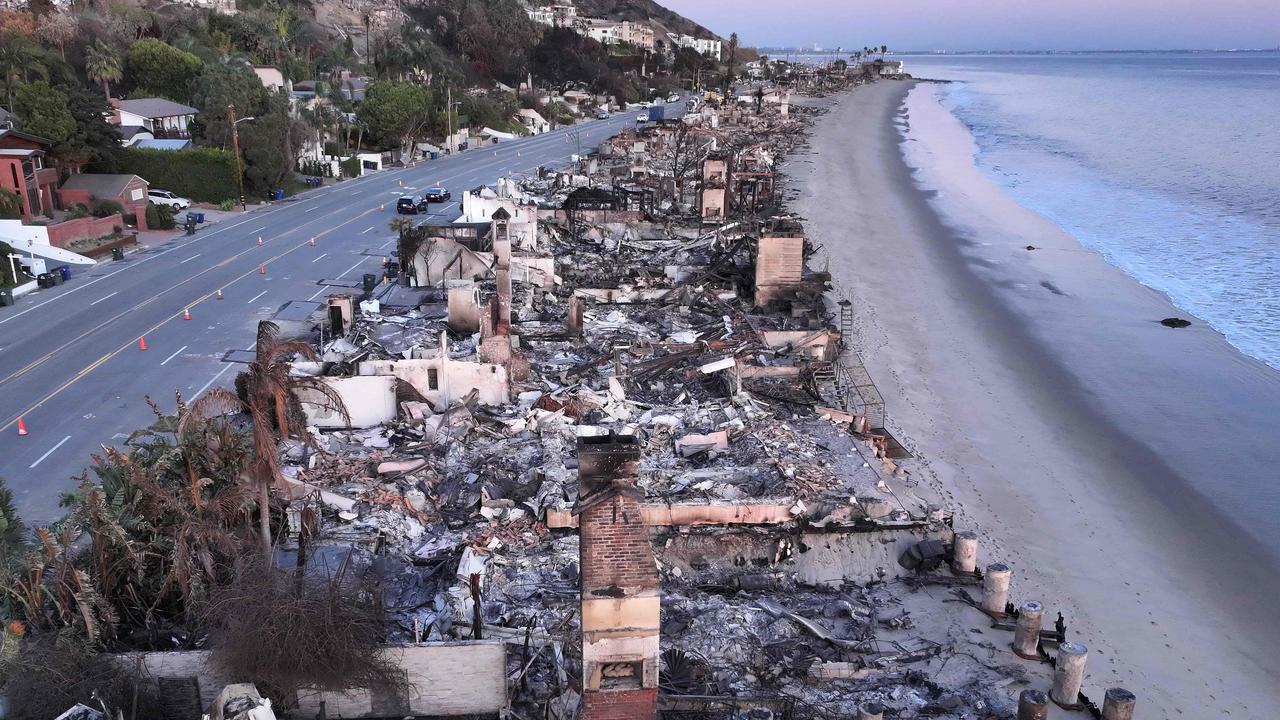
point(409, 205)
point(436, 194)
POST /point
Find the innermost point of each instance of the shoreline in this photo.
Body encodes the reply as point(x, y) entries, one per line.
point(1081, 510)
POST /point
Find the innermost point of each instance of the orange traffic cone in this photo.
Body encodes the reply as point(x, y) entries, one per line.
point(495, 153)
point(262, 268)
point(382, 208)
point(313, 241)
point(142, 343)
point(219, 293)
point(186, 313)
point(259, 241)
point(401, 183)
point(384, 262)
point(22, 427)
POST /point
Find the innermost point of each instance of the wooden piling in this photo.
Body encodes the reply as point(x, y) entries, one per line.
point(995, 588)
point(1068, 675)
point(965, 552)
point(1033, 705)
point(1026, 634)
point(1118, 704)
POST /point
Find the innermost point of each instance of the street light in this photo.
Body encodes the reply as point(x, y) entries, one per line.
point(235, 149)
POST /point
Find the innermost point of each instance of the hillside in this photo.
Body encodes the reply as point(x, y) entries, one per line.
point(642, 10)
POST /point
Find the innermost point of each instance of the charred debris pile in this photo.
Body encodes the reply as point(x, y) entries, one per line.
point(610, 418)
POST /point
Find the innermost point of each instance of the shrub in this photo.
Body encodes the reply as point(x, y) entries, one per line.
point(78, 211)
point(47, 674)
point(351, 167)
point(160, 217)
point(228, 204)
point(202, 174)
point(289, 631)
point(130, 219)
point(106, 208)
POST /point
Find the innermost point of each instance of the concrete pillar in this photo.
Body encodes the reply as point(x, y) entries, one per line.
point(871, 711)
point(1068, 676)
point(1118, 704)
point(934, 513)
point(1033, 705)
point(995, 588)
point(1026, 635)
point(965, 552)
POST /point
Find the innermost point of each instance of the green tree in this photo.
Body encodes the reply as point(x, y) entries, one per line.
point(395, 112)
point(271, 144)
point(221, 85)
point(43, 111)
point(95, 138)
point(102, 65)
point(157, 68)
point(20, 60)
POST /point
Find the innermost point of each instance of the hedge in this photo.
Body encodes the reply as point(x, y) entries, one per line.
point(201, 174)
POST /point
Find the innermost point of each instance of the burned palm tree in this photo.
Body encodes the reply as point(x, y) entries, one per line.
point(269, 395)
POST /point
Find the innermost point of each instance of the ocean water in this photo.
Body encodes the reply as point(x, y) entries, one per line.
point(1166, 164)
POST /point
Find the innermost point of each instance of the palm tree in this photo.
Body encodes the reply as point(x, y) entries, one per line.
point(102, 65)
point(883, 49)
point(733, 57)
point(19, 60)
point(269, 397)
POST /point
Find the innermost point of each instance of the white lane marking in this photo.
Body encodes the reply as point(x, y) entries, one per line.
point(313, 295)
point(322, 256)
point(365, 231)
point(50, 452)
point(174, 355)
point(95, 302)
point(212, 380)
point(264, 227)
point(193, 257)
point(255, 297)
point(386, 244)
point(353, 267)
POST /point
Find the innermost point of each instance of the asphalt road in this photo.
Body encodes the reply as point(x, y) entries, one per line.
point(70, 365)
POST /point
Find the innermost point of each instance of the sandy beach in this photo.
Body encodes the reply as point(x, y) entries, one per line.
point(1044, 401)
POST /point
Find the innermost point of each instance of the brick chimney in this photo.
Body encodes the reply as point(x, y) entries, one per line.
point(621, 599)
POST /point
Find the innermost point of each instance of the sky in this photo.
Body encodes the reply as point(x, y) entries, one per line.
point(993, 24)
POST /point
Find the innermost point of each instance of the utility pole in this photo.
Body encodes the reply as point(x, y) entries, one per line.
point(235, 149)
point(448, 116)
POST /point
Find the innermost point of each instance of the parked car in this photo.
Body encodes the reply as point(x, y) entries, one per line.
point(436, 194)
point(409, 205)
point(164, 197)
point(602, 114)
point(674, 97)
point(642, 117)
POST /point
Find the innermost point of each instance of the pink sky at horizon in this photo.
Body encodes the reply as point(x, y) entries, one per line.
point(995, 24)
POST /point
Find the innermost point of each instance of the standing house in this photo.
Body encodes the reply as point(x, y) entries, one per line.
point(532, 121)
point(271, 77)
point(23, 171)
point(130, 191)
point(157, 116)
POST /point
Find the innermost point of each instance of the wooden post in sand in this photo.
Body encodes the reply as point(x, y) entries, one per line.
point(995, 589)
point(871, 711)
point(965, 552)
point(1068, 675)
point(1026, 634)
point(1118, 704)
point(1033, 705)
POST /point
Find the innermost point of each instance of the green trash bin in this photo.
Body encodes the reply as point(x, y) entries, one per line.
point(6, 297)
point(370, 282)
point(117, 253)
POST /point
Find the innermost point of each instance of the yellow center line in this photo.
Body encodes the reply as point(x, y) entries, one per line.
point(92, 366)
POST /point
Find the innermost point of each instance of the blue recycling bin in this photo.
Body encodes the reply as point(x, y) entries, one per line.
point(435, 155)
point(279, 194)
point(199, 217)
point(65, 271)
